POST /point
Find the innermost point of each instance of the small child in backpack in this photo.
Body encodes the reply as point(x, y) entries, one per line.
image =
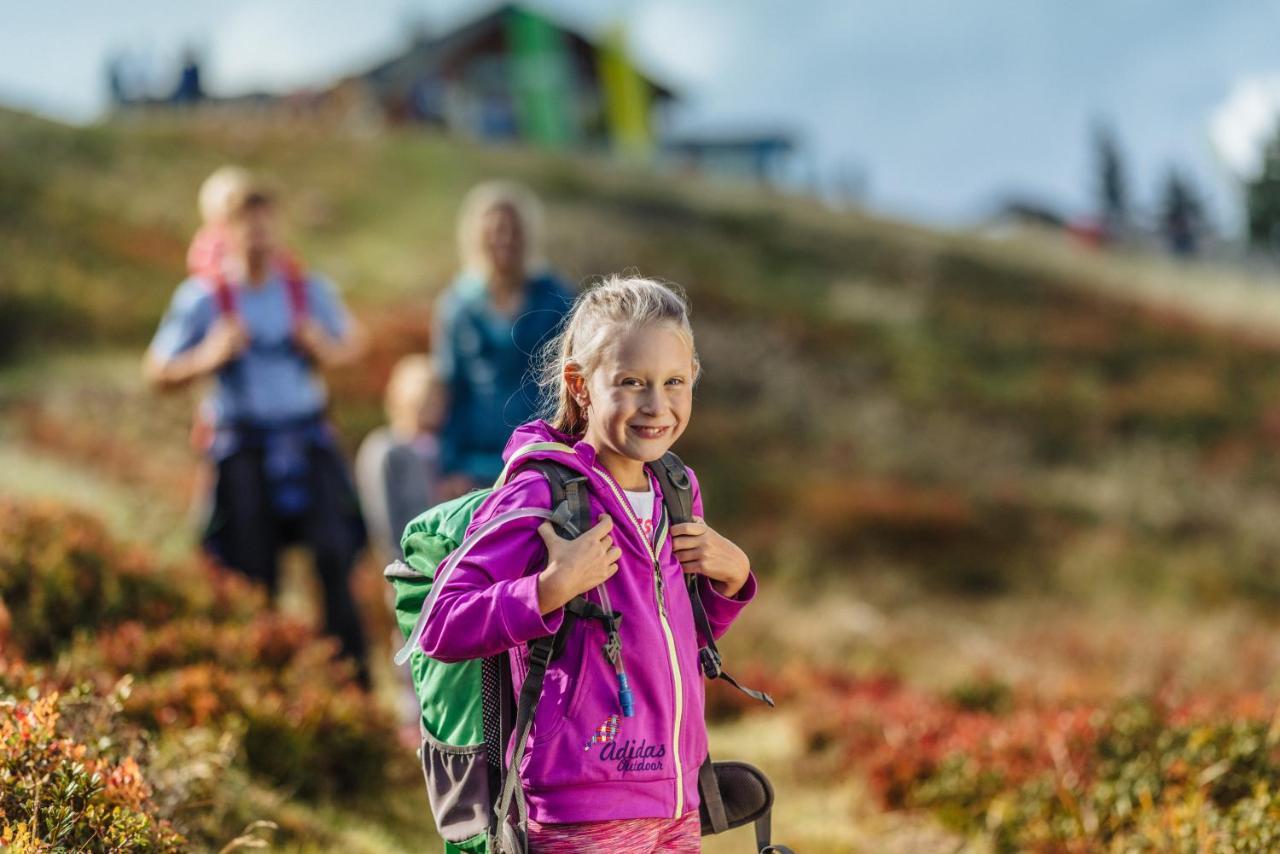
point(618, 737)
point(209, 245)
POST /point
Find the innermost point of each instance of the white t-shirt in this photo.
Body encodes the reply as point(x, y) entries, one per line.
point(642, 505)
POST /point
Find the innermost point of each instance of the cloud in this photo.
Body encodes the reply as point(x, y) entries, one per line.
point(1240, 127)
point(693, 44)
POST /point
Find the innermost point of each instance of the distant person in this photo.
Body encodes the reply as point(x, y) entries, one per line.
point(117, 80)
point(262, 330)
point(397, 466)
point(397, 473)
point(207, 257)
point(489, 324)
point(189, 89)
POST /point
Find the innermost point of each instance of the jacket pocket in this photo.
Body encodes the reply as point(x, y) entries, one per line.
point(562, 687)
point(457, 787)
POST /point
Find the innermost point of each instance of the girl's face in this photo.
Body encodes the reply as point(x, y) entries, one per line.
point(638, 399)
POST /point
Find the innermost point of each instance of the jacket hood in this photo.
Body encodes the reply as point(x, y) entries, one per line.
point(581, 458)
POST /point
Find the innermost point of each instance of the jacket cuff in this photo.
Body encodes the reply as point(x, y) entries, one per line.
point(722, 609)
point(521, 618)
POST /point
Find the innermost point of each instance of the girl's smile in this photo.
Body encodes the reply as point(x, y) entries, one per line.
point(645, 432)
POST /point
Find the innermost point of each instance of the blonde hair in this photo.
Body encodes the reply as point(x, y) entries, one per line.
point(497, 194)
point(411, 383)
point(219, 191)
point(615, 302)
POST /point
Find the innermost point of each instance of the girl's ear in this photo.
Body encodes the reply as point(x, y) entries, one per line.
point(576, 383)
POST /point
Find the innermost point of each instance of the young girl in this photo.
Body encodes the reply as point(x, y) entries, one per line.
point(595, 778)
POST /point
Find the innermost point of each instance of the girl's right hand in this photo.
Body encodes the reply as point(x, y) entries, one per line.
point(575, 566)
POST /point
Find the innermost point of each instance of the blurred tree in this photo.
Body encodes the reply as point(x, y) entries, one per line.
point(1262, 198)
point(1112, 185)
point(1182, 217)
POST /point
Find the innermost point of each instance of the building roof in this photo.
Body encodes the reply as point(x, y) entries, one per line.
point(427, 54)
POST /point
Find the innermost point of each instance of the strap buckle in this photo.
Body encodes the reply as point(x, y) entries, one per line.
point(540, 654)
point(562, 518)
point(711, 663)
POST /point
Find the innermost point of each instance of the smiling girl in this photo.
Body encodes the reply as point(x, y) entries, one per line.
point(598, 775)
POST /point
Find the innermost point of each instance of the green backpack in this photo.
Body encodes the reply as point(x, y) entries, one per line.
point(470, 709)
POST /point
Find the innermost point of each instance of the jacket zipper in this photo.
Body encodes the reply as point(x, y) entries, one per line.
point(660, 594)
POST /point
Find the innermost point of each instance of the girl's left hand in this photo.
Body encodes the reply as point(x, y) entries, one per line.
point(700, 549)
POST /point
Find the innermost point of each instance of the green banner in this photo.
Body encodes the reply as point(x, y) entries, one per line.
point(540, 80)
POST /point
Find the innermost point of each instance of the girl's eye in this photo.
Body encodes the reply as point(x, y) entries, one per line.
point(676, 381)
point(632, 381)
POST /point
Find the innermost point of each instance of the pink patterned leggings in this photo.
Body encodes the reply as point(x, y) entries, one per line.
point(624, 836)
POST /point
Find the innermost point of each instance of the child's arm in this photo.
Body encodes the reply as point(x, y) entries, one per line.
point(725, 581)
point(508, 591)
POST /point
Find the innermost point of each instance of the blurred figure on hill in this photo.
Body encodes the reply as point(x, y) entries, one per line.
point(397, 466)
point(207, 256)
point(262, 329)
point(397, 474)
point(489, 324)
point(1182, 216)
point(189, 89)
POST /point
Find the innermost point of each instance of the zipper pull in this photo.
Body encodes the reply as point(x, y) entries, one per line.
point(662, 588)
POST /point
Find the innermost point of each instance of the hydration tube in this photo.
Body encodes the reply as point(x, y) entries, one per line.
point(613, 651)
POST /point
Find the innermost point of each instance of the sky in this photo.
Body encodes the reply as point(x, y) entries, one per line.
point(939, 109)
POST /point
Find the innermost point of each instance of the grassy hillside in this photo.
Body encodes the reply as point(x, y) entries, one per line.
point(983, 414)
point(968, 463)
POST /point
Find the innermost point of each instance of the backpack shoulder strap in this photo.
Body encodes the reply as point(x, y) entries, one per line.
point(568, 488)
point(295, 282)
point(677, 489)
point(677, 495)
point(223, 295)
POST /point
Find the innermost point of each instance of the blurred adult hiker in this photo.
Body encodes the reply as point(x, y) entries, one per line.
point(489, 324)
point(397, 466)
point(262, 328)
point(613, 605)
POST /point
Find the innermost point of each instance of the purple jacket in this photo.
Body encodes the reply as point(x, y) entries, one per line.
point(572, 769)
